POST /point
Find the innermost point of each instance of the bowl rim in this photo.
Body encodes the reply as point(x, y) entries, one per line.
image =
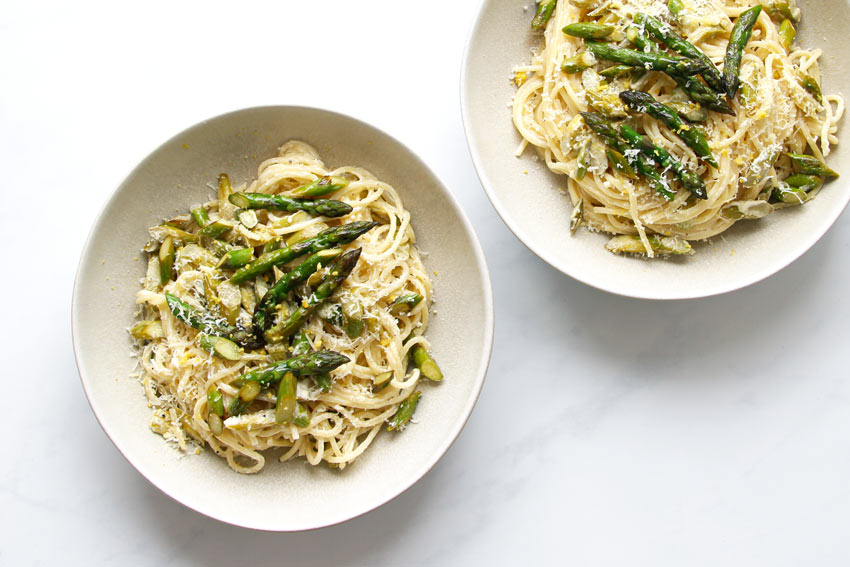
point(482, 365)
point(564, 267)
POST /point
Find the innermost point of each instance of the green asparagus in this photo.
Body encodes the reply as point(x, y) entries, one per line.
point(325, 207)
point(404, 413)
point(606, 131)
point(810, 165)
point(215, 402)
point(200, 216)
point(630, 244)
point(787, 34)
point(208, 324)
point(426, 365)
point(677, 43)
point(147, 330)
point(381, 381)
point(166, 260)
point(318, 362)
point(741, 33)
point(284, 407)
point(321, 187)
point(620, 164)
point(588, 30)
point(690, 180)
point(616, 71)
point(696, 90)
point(301, 345)
point(693, 137)
point(784, 194)
point(545, 8)
point(216, 229)
point(262, 319)
point(811, 85)
point(326, 239)
point(243, 398)
point(649, 61)
point(236, 258)
point(302, 416)
point(336, 273)
point(225, 348)
point(578, 62)
point(803, 181)
point(404, 303)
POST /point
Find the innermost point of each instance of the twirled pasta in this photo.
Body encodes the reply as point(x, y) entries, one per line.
point(782, 116)
point(177, 373)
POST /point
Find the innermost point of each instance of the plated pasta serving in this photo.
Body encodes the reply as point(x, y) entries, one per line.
point(290, 313)
point(675, 120)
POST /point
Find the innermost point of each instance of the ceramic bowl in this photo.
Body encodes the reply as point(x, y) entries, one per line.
point(294, 495)
point(524, 191)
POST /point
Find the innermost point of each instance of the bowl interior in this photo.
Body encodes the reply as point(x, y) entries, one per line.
point(525, 192)
point(292, 495)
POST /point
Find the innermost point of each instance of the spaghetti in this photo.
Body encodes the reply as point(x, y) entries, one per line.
point(340, 424)
point(775, 114)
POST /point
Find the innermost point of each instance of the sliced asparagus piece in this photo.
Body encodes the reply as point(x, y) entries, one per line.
point(247, 394)
point(225, 348)
point(284, 407)
point(147, 330)
point(588, 30)
point(787, 34)
point(747, 210)
point(216, 229)
point(404, 413)
point(578, 62)
point(632, 244)
point(404, 303)
point(381, 381)
point(426, 365)
point(215, 401)
point(200, 216)
point(166, 260)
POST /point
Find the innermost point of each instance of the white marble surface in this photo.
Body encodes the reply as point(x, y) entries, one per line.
point(610, 431)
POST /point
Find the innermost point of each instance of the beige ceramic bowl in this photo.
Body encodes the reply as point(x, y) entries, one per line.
point(294, 495)
point(539, 215)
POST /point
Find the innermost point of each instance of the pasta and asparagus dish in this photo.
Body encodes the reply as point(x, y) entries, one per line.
point(286, 314)
point(675, 120)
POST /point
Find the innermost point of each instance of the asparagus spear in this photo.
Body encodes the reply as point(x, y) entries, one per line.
point(690, 180)
point(404, 303)
point(237, 257)
point(426, 365)
point(620, 163)
point(545, 8)
point(696, 90)
point(302, 416)
point(325, 239)
point(811, 165)
point(649, 61)
point(224, 190)
point(578, 62)
point(405, 412)
point(603, 128)
point(784, 194)
point(166, 260)
point(659, 244)
point(811, 85)
point(691, 135)
point(616, 71)
point(677, 43)
point(326, 207)
point(318, 362)
point(741, 33)
point(262, 319)
point(321, 187)
point(336, 273)
point(588, 30)
point(225, 348)
point(803, 181)
point(284, 407)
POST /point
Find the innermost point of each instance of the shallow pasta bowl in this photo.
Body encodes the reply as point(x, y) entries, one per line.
point(294, 495)
point(525, 193)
